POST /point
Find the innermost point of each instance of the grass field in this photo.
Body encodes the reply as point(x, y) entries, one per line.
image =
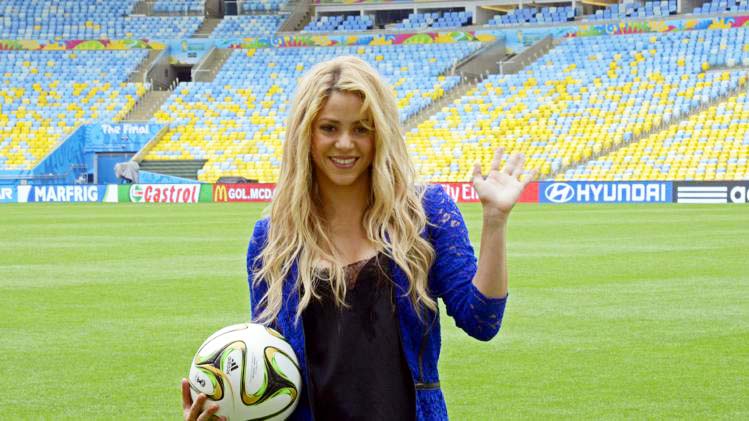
point(614, 311)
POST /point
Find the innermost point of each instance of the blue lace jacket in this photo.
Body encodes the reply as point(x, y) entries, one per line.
point(450, 279)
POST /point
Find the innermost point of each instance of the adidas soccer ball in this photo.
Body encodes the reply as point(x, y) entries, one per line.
point(250, 371)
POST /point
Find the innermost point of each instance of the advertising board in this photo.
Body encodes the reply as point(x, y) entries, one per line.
point(161, 193)
point(8, 194)
point(243, 192)
point(464, 192)
point(605, 192)
point(711, 192)
point(61, 193)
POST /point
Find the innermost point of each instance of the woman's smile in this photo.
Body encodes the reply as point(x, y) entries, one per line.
point(343, 162)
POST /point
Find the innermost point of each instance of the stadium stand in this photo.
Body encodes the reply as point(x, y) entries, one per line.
point(626, 107)
point(45, 94)
point(167, 27)
point(262, 6)
point(237, 121)
point(339, 23)
point(656, 8)
point(247, 26)
point(711, 145)
point(534, 15)
point(719, 6)
point(435, 20)
point(181, 6)
point(87, 19)
point(568, 106)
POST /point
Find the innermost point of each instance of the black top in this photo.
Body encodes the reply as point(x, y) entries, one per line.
point(357, 370)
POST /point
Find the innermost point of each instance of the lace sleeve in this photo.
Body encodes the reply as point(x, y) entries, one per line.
point(451, 276)
point(257, 242)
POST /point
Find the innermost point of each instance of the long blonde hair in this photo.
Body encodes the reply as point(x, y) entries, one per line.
point(393, 220)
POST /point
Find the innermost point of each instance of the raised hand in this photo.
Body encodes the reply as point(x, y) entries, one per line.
point(500, 190)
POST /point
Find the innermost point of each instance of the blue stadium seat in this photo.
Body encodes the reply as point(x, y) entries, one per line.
point(339, 23)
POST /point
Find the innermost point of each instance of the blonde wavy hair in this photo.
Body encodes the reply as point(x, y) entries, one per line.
point(394, 217)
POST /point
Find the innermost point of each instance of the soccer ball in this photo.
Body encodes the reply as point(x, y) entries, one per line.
point(250, 371)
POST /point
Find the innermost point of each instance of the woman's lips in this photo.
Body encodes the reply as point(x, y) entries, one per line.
point(343, 163)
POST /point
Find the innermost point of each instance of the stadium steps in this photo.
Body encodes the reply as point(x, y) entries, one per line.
point(461, 89)
point(139, 74)
point(481, 62)
point(299, 17)
point(656, 129)
point(724, 68)
point(146, 106)
point(525, 58)
point(206, 28)
point(210, 67)
point(290, 5)
point(186, 168)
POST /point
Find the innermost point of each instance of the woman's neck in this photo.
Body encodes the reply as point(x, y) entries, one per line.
point(343, 209)
point(345, 205)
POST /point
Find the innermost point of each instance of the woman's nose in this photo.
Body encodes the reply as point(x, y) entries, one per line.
point(344, 141)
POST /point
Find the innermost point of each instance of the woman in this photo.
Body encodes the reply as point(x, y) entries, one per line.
point(355, 254)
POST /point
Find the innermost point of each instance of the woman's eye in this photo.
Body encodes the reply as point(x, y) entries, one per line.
point(327, 128)
point(361, 130)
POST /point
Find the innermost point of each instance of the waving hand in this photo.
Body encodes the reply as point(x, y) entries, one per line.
point(501, 189)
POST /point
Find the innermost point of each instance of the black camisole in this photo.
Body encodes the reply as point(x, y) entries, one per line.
point(357, 370)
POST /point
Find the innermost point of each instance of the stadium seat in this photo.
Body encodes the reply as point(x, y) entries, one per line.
point(88, 19)
point(710, 145)
point(435, 20)
point(262, 6)
point(179, 7)
point(569, 106)
point(339, 23)
point(534, 15)
point(248, 26)
point(44, 95)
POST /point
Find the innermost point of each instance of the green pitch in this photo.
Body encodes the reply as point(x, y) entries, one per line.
point(614, 311)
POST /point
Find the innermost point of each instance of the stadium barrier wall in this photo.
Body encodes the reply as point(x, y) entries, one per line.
point(189, 51)
point(12, 177)
point(119, 136)
point(59, 164)
point(546, 193)
point(76, 154)
point(122, 140)
point(81, 44)
point(148, 177)
point(182, 48)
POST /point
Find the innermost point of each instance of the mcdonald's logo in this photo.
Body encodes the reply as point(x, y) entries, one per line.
point(243, 192)
point(220, 193)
